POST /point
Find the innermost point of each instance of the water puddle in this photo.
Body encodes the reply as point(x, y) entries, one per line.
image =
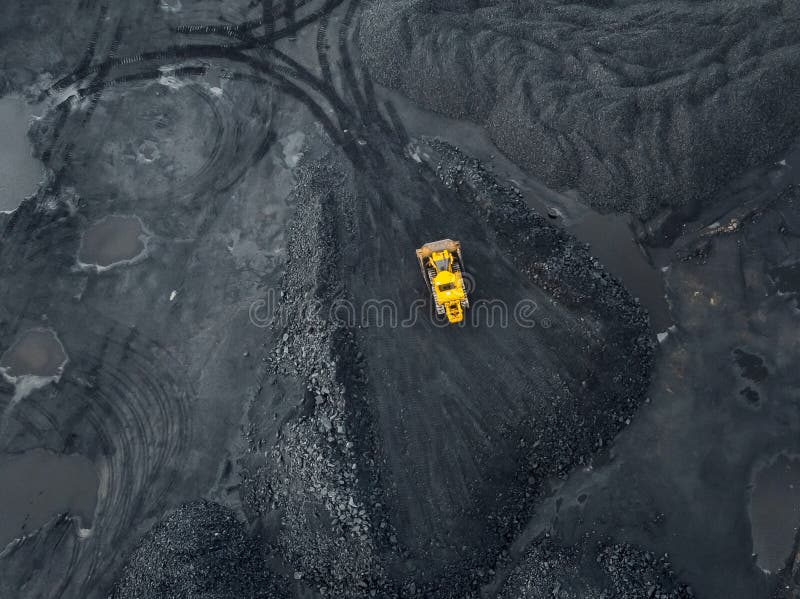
point(20, 172)
point(610, 236)
point(612, 242)
point(750, 365)
point(112, 241)
point(775, 511)
point(38, 485)
point(786, 277)
point(37, 353)
point(33, 361)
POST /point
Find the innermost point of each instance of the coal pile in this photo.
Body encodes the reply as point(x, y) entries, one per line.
point(640, 107)
point(199, 550)
point(338, 491)
point(328, 527)
point(604, 570)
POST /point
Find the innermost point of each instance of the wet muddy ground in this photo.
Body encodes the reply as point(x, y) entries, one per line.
point(37, 353)
point(112, 241)
point(236, 166)
point(775, 511)
point(20, 172)
point(38, 485)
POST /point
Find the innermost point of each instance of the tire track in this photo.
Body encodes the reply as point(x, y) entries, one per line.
point(287, 76)
point(348, 72)
point(267, 18)
point(127, 391)
point(298, 94)
point(290, 14)
point(91, 48)
point(96, 87)
point(124, 399)
point(398, 128)
point(211, 169)
point(270, 15)
point(140, 410)
point(322, 49)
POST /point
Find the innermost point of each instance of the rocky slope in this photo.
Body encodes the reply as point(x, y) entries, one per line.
point(641, 106)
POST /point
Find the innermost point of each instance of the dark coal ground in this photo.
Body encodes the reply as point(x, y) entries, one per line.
point(642, 106)
point(249, 444)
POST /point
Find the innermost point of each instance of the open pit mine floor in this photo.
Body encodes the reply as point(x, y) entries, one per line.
point(221, 373)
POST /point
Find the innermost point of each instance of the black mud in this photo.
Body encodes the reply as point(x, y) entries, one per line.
point(37, 486)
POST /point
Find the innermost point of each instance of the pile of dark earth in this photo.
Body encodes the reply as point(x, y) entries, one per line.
point(199, 550)
point(373, 487)
point(388, 477)
point(642, 107)
point(592, 569)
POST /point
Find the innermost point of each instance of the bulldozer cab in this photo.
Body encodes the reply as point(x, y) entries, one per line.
point(442, 261)
point(445, 281)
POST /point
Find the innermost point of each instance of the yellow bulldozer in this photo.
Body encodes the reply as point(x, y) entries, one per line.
point(442, 265)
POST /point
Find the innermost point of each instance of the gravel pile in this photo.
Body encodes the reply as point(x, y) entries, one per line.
point(601, 571)
point(199, 550)
point(563, 267)
point(313, 476)
point(639, 106)
point(555, 260)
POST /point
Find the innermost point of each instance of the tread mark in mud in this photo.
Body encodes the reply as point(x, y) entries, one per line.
point(296, 92)
point(397, 124)
point(267, 18)
point(265, 146)
point(369, 96)
point(235, 52)
point(123, 391)
point(327, 90)
point(290, 13)
point(199, 51)
point(91, 48)
point(241, 31)
point(347, 63)
point(97, 85)
point(63, 113)
point(312, 17)
point(322, 49)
